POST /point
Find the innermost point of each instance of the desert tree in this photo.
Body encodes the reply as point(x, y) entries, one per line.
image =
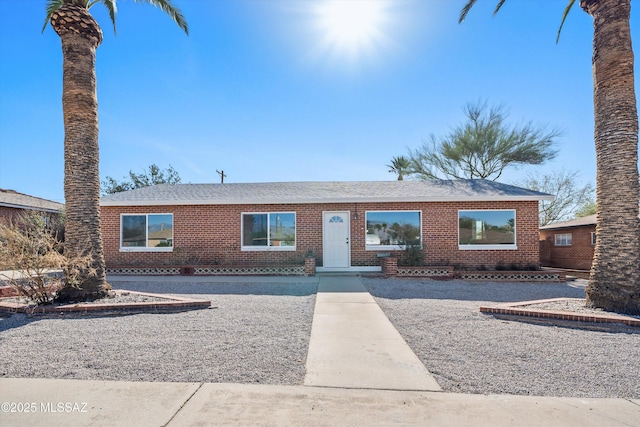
point(588, 208)
point(482, 147)
point(571, 194)
point(153, 176)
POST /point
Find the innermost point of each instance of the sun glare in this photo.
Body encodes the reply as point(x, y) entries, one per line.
point(351, 27)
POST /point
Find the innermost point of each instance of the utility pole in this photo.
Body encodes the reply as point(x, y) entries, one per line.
point(222, 176)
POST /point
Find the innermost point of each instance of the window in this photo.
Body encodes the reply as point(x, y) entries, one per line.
point(487, 229)
point(563, 239)
point(593, 238)
point(269, 231)
point(146, 232)
point(392, 229)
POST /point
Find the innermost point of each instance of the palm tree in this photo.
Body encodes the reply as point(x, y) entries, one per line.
point(81, 35)
point(400, 166)
point(614, 283)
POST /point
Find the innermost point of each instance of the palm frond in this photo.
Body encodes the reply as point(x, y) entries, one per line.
point(51, 6)
point(465, 10)
point(167, 7)
point(499, 6)
point(564, 17)
point(111, 8)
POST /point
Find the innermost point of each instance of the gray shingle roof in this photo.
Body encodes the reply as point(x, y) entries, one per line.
point(577, 222)
point(13, 199)
point(321, 192)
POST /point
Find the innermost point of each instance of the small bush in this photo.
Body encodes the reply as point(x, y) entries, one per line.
point(413, 255)
point(34, 252)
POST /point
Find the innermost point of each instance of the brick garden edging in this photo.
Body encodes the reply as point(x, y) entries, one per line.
point(520, 309)
point(168, 304)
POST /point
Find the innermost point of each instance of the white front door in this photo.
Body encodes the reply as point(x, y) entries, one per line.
point(336, 235)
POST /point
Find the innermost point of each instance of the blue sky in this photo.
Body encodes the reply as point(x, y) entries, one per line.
point(256, 90)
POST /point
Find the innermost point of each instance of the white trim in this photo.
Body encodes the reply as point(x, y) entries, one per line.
point(146, 235)
point(145, 249)
point(267, 247)
point(479, 247)
point(564, 237)
point(383, 248)
point(285, 201)
point(505, 247)
point(391, 247)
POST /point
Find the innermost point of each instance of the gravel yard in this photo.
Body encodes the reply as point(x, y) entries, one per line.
point(258, 332)
point(470, 352)
point(254, 333)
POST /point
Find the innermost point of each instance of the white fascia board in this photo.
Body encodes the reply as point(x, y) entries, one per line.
point(321, 201)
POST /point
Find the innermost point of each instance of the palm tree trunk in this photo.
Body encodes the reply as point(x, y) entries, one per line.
point(80, 36)
point(614, 282)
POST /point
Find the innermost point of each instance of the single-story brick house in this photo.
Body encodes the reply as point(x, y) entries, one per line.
point(345, 226)
point(13, 204)
point(569, 244)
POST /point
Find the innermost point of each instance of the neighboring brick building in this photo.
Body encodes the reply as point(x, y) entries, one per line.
point(569, 244)
point(346, 226)
point(13, 204)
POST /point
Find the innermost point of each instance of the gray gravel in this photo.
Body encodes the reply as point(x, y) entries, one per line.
point(255, 333)
point(259, 333)
point(471, 352)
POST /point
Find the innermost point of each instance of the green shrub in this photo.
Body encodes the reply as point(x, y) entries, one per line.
point(413, 254)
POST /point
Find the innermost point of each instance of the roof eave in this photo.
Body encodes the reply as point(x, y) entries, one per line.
point(324, 200)
point(30, 208)
point(551, 227)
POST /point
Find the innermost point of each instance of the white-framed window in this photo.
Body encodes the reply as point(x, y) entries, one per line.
point(146, 232)
point(262, 231)
point(593, 238)
point(487, 229)
point(392, 229)
point(564, 239)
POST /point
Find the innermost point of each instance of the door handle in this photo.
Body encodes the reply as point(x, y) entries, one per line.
point(347, 240)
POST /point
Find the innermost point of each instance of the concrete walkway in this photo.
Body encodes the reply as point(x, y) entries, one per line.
point(354, 345)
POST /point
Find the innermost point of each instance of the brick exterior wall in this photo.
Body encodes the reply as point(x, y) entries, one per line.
point(577, 256)
point(210, 235)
